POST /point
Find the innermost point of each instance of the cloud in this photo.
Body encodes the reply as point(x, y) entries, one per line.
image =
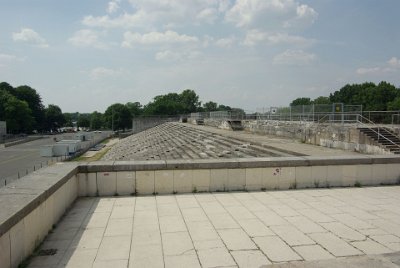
point(29, 36)
point(156, 38)
point(264, 13)
point(87, 38)
point(394, 62)
point(392, 65)
point(102, 72)
point(113, 6)
point(256, 36)
point(225, 42)
point(168, 55)
point(294, 57)
point(6, 59)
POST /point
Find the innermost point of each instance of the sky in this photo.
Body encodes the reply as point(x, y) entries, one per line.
point(86, 55)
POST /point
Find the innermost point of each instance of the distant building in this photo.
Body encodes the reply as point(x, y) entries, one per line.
point(3, 130)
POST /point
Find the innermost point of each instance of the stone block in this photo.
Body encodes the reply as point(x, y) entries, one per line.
point(107, 183)
point(125, 182)
point(379, 172)
point(392, 174)
point(254, 178)
point(271, 178)
point(82, 184)
point(5, 254)
point(183, 181)
point(91, 182)
point(17, 243)
point(218, 180)
point(236, 179)
point(304, 178)
point(349, 175)
point(287, 178)
point(201, 180)
point(164, 181)
point(319, 175)
point(334, 176)
point(145, 182)
point(364, 175)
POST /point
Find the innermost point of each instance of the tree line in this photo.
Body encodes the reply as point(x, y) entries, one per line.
point(22, 108)
point(372, 97)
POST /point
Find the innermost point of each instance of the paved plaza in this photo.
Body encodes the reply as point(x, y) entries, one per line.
point(317, 227)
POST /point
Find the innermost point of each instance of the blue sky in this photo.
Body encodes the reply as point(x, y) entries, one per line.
point(85, 55)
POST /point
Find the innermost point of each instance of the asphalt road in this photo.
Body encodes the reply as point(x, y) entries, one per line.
point(19, 160)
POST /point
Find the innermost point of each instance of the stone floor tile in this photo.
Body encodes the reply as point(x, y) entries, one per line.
point(352, 221)
point(270, 218)
point(146, 217)
point(112, 263)
point(171, 224)
point(121, 212)
point(255, 227)
point(187, 201)
point(373, 231)
point(47, 261)
point(358, 213)
point(305, 225)
point(371, 247)
point(213, 208)
point(227, 200)
point(215, 257)
point(250, 258)
point(313, 252)
point(96, 220)
point(275, 249)
point(62, 234)
point(253, 205)
point(146, 256)
point(114, 248)
point(182, 261)
point(343, 231)
point(385, 238)
point(208, 244)
point(78, 258)
point(294, 203)
point(324, 208)
point(388, 226)
point(194, 214)
point(146, 236)
point(315, 215)
point(177, 243)
point(117, 227)
point(236, 239)
point(168, 210)
point(91, 238)
point(223, 221)
point(291, 235)
point(334, 244)
point(240, 212)
point(125, 201)
point(283, 210)
point(202, 230)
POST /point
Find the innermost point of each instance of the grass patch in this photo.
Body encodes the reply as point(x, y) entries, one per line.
point(95, 157)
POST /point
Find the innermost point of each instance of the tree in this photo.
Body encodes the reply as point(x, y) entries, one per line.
point(210, 106)
point(321, 100)
point(190, 101)
point(301, 101)
point(83, 121)
point(169, 104)
point(16, 113)
point(68, 120)
point(96, 120)
point(135, 108)
point(34, 102)
point(54, 117)
point(118, 116)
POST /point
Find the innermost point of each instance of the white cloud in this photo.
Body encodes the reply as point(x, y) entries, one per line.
point(113, 6)
point(294, 57)
point(157, 38)
point(225, 42)
point(29, 36)
point(7, 57)
point(305, 16)
point(208, 15)
point(372, 70)
point(168, 55)
point(102, 72)
point(394, 62)
point(87, 38)
point(256, 36)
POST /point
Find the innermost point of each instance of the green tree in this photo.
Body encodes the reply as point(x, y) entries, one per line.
point(68, 120)
point(96, 120)
point(210, 106)
point(54, 117)
point(34, 101)
point(169, 104)
point(321, 100)
point(301, 101)
point(190, 101)
point(83, 121)
point(135, 108)
point(16, 113)
point(118, 116)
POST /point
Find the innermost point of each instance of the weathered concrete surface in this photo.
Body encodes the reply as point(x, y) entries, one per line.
point(184, 141)
point(344, 227)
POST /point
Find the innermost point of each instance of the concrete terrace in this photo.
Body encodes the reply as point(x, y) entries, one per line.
point(342, 227)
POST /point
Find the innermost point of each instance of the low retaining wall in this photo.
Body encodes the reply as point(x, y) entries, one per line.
point(33, 204)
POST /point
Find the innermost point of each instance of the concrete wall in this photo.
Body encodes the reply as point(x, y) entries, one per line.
point(33, 204)
point(30, 207)
point(167, 177)
point(346, 137)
